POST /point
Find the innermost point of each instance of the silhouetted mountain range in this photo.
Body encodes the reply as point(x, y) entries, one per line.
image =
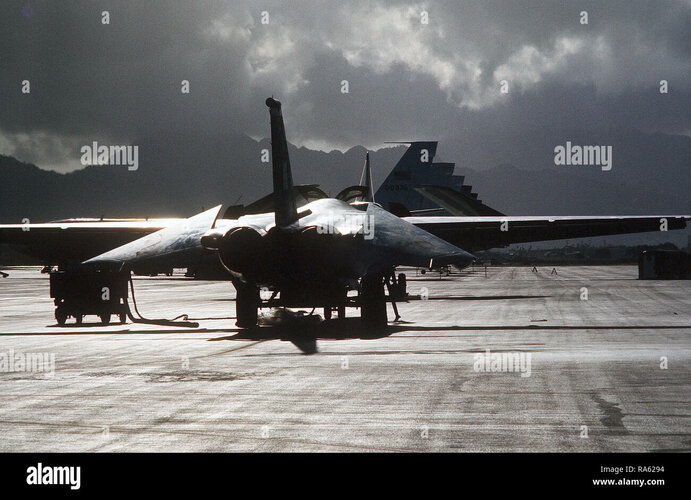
point(650, 175)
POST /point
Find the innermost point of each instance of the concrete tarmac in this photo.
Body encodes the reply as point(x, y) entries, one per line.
point(599, 363)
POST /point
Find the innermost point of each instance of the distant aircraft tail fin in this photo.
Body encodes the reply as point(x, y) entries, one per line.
point(286, 211)
point(398, 187)
point(455, 202)
point(420, 185)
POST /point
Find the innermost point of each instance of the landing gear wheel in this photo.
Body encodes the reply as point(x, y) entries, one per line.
point(123, 318)
point(246, 306)
point(105, 318)
point(78, 319)
point(60, 316)
point(341, 312)
point(402, 284)
point(327, 313)
point(373, 302)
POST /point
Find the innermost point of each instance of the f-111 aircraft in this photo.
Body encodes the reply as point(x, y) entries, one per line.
point(308, 255)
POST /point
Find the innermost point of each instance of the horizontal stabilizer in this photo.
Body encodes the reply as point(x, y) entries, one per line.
point(177, 245)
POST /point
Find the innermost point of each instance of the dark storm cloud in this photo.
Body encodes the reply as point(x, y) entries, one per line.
point(408, 80)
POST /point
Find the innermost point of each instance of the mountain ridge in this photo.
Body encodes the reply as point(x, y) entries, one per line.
point(181, 181)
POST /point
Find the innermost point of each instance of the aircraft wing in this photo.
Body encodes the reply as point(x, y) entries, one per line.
point(52, 243)
point(482, 233)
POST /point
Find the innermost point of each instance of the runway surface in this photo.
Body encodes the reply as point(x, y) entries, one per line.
point(610, 373)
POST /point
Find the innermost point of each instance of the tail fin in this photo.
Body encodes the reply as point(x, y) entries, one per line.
point(420, 185)
point(398, 186)
point(366, 180)
point(463, 203)
point(286, 211)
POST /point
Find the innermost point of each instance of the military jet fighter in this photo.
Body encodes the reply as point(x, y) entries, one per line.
point(311, 257)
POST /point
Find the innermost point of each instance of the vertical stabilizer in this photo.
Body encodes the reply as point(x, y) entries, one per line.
point(286, 211)
point(366, 180)
point(414, 165)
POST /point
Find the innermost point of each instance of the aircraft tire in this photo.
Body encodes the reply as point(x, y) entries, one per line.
point(246, 306)
point(60, 316)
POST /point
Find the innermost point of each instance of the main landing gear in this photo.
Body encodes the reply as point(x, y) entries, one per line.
point(247, 303)
point(373, 302)
point(371, 299)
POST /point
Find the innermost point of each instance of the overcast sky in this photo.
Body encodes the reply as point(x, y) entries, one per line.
point(407, 79)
